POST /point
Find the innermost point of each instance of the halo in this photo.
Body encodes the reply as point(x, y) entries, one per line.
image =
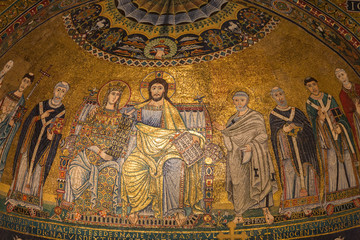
point(125, 97)
point(157, 74)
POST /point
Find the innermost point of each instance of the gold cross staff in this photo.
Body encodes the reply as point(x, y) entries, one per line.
point(43, 73)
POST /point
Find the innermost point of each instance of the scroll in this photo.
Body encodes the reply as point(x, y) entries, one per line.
point(189, 150)
point(121, 138)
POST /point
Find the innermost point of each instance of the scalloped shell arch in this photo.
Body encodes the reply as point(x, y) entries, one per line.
point(169, 12)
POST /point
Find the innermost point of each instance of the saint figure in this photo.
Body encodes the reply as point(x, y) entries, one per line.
point(36, 150)
point(92, 176)
point(155, 179)
point(335, 143)
point(250, 175)
point(12, 110)
point(350, 100)
point(294, 146)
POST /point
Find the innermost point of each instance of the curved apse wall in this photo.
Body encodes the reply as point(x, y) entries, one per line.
point(179, 120)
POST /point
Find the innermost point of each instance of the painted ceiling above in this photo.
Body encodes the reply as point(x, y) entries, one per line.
point(168, 12)
point(107, 33)
point(169, 33)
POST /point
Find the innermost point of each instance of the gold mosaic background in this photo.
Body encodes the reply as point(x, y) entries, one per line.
point(283, 58)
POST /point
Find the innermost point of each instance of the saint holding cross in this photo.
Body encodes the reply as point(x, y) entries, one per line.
point(36, 150)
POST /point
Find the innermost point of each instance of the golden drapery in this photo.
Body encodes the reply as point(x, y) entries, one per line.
point(142, 173)
point(93, 181)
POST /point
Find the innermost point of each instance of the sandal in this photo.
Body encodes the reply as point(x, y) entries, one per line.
point(238, 220)
point(268, 217)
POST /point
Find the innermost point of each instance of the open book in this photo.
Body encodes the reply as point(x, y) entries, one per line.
point(189, 150)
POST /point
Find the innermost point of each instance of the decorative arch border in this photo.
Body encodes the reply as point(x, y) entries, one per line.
point(321, 25)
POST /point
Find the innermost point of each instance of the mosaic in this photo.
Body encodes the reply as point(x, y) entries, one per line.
point(169, 12)
point(151, 164)
point(255, 141)
point(223, 34)
point(309, 15)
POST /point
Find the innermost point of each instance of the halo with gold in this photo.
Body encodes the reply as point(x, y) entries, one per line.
point(116, 84)
point(157, 74)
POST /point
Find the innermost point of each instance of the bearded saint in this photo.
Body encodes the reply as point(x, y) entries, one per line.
point(250, 174)
point(294, 146)
point(36, 151)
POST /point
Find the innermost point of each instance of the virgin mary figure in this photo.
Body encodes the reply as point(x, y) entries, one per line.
point(92, 176)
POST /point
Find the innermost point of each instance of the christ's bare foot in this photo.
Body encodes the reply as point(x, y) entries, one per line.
point(180, 219)
point(133, 218)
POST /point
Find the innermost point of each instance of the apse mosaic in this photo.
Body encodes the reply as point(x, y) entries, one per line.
point(151, 164)
point(103, 31)
point(261, 143)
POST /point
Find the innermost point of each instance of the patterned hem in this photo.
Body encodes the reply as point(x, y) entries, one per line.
point(23, 204)
point(300, 208)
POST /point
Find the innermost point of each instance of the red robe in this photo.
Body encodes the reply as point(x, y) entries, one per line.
point(347, 98)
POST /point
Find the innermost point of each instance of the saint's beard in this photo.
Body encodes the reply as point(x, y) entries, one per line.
point(283, 104)
point(241, 109)
point(56, 100)
point(345, 82)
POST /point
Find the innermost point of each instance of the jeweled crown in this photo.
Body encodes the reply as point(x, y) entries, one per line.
point(116, 87)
